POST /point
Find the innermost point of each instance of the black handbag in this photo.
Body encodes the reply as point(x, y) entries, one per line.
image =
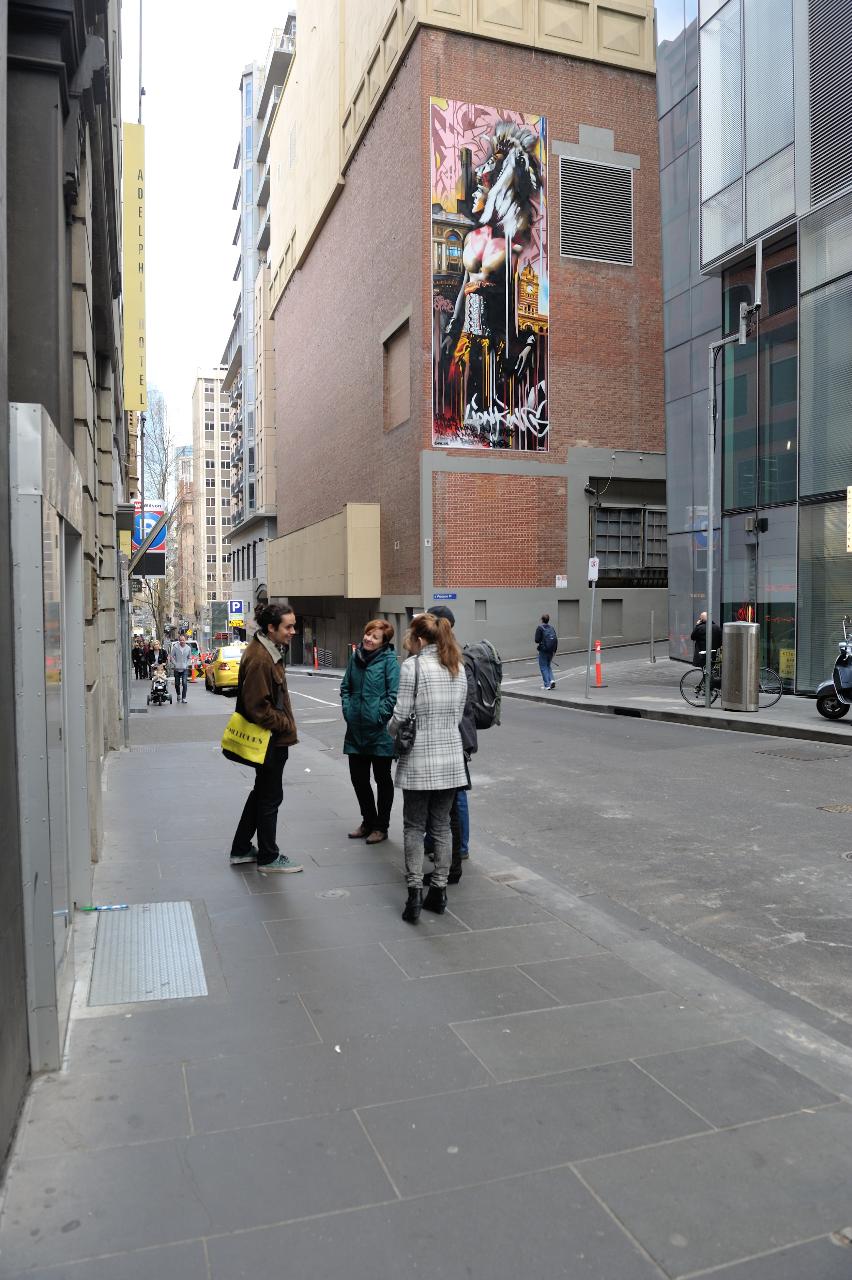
point(407, 731)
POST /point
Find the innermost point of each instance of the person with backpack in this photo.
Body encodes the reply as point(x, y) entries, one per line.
point(483, 673)
point(425, 722)
point(547, 641)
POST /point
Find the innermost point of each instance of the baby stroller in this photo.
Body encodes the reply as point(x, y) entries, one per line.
point(159, 687)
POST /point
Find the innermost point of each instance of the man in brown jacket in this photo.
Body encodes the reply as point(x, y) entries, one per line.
point(263, 698)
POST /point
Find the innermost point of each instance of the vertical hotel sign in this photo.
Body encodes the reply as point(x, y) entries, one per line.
point(135, 379)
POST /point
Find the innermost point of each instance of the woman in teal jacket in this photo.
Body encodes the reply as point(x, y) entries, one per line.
point(368, 692)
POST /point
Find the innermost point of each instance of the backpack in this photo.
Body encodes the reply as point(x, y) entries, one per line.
point(485, 665)
point(549, 638)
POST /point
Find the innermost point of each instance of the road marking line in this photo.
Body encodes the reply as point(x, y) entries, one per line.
point(311, 698)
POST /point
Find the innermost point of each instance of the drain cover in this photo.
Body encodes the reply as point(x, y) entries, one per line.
point(149, 952)
point(812, 754)
point(835, 808)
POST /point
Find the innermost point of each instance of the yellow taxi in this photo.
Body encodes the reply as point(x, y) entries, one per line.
point(221, 672)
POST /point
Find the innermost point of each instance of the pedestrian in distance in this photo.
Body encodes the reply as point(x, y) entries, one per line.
point(181, 658)
point(147, 660)
point(263, 698)
point(136, 657)
point(547, 643)
point(460, 813)
point(699, 639)
point(432, 685)
point(368, 693)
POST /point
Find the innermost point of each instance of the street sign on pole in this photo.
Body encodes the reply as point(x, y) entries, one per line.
point(594, 564)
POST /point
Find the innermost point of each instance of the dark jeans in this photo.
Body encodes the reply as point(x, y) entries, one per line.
point(544, 660)
point(459, 832)
point(180, 683)
point(375, 811)
point(260, 813)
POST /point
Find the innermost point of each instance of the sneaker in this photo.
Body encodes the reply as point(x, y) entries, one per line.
point(239, 859)
point(282, 863)
point(553, 686)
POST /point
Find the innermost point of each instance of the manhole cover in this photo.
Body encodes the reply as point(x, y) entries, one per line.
point(334, 893)
point(835, 808)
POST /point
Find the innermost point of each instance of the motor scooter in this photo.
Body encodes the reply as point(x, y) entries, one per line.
point(834, 696)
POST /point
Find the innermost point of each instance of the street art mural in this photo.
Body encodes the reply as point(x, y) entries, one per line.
point(490, 285)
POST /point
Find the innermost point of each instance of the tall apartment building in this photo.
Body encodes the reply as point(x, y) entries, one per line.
point(183, 527)
point(468, 319)
point(211, 481)
point(755, 103)
point(247, 357)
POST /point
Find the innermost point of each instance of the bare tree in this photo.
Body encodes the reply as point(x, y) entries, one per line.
point(159, 483)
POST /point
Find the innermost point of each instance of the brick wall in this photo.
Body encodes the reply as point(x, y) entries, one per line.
point(606, 322)
point(489, 530)
point(363, 272)
point(372, 260)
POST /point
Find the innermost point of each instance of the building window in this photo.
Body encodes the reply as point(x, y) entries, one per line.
point(630, 537)
point(595, 211)
point(397, 378)
point(254, 559)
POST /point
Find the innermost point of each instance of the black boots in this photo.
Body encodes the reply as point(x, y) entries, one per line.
point(413, 905)
point(435, 900)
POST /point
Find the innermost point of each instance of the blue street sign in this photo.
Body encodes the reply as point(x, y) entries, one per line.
point(444, 595)
point(139, 534)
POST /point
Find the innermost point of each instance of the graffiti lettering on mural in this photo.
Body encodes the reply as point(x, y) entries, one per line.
point(490, 283)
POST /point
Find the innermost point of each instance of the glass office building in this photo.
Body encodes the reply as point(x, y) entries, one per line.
point(755, 104)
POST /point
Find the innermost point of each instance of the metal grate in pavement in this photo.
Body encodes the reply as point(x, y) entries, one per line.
point(148, 952)
point(812, 754)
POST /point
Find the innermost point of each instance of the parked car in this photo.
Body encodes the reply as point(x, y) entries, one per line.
point(221, 672)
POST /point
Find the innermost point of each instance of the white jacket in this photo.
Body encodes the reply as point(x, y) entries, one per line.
point(436, 761)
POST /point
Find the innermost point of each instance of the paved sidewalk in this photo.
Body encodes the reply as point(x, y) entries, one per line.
point(531, 1086)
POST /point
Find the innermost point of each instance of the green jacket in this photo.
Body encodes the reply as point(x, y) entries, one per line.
point(368, 692)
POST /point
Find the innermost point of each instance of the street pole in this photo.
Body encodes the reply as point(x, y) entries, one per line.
point(747, 313)
point(591, 632)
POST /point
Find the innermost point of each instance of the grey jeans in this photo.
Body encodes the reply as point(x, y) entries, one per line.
point(422, 811)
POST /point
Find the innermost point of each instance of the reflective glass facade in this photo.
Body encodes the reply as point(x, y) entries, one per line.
point(784, 429)
point(692, 318)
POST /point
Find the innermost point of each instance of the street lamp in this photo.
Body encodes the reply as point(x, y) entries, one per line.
point(747, 315)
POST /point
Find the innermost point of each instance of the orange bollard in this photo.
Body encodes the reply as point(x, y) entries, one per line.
point(316, 659)
point(192, 673)
point(599, 684)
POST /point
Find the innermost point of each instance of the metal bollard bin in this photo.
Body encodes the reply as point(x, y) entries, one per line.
point(740, 666)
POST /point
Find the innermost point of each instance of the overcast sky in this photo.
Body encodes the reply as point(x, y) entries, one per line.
point(194, 52)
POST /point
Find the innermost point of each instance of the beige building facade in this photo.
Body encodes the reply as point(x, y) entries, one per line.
point(211, 483)
point(347, 58)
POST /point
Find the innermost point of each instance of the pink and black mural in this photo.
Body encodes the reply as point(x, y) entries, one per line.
point(490, 285)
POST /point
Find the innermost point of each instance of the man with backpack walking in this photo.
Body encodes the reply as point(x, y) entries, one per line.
point(547, 641)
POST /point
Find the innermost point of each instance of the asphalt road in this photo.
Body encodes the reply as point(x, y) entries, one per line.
point(718, 837)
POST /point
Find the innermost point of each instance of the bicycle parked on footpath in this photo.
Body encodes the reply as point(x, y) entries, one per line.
point(693, 685)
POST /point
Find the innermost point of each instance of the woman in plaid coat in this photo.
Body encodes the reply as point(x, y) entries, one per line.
point(433, 770)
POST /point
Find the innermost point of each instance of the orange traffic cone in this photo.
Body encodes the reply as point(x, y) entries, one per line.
point(192, 674)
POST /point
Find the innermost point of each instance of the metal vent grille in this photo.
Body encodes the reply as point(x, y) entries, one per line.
point(596, 211)
point(831, 98)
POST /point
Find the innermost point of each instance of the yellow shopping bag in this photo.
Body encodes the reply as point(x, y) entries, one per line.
point(244, 742)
